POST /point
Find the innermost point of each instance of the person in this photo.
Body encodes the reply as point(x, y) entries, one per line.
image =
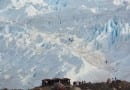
point(106, 61)
point(109, 81)
point(115, 78)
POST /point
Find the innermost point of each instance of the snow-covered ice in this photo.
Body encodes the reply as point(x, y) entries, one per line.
point(63, 38)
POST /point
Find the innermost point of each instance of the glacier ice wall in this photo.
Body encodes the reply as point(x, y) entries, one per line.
point(63, 38)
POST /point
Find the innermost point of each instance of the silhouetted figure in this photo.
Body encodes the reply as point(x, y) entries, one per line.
point(74, 83)
point(106, 61)
point(115, 78)
point(109, 81)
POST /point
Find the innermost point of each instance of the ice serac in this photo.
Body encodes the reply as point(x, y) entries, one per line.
point(62, 38)
point(111, 33)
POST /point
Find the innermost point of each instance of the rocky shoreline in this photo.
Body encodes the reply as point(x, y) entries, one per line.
point(64, 84)
point(83, 85)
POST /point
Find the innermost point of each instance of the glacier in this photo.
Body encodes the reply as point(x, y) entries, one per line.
point(63, 38)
